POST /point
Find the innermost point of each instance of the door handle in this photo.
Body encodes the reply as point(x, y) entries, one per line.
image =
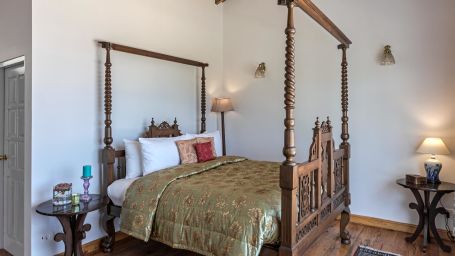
point(3, 158)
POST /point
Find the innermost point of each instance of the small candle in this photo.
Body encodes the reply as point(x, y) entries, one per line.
point(75, 198)
point(87, 171)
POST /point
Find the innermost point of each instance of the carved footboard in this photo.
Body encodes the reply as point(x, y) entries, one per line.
point(315, 192)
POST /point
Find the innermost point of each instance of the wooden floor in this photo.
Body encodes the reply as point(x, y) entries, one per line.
point(328, 244)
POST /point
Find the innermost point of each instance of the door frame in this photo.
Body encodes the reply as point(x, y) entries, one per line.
point(4, 65)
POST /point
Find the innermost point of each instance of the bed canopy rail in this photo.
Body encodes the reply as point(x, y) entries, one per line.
point(155, 55)
point(316, 14)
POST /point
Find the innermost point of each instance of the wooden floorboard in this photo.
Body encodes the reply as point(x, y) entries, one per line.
point(328, 244)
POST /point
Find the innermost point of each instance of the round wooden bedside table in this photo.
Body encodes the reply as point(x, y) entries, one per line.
point(428, 211)
point(72, 219)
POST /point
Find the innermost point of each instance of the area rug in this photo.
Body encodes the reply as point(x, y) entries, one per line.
point(367, 251)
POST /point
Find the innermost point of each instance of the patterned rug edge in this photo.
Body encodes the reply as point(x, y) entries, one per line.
point(363, 250)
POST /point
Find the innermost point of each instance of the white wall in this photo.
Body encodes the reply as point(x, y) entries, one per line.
point(392, 108)
point(388, 108)
point(16, 41)
point(67, 95)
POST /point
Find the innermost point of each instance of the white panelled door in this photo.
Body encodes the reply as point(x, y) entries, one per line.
point(13, 211)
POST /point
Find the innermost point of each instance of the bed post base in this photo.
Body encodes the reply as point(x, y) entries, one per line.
point(107, 243)
point(344, 233)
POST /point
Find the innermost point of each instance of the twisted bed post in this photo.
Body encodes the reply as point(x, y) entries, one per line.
point(346, 214)
point(203, 101)
point(108, 151)
point(288, 170)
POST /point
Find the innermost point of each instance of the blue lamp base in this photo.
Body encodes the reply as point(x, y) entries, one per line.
point(433, 167)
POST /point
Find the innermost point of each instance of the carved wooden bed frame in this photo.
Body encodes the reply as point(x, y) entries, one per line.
point(313, 193)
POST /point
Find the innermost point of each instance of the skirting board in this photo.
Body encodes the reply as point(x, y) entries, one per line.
point(390, 225)
point(95, 246)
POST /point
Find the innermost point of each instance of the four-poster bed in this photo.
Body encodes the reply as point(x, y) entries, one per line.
point(310, 195)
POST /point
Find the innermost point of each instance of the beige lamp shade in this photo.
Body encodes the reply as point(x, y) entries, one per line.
point(222, 105)
point(434, 146)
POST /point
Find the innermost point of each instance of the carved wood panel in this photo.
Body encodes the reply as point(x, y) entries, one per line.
point(338, 172)
point(321, 179)
point(325, 212)
point(164, 129)
point(301, 233)
point(326, 127)
point(322, 149)
point(325, 171)
point(304, 197)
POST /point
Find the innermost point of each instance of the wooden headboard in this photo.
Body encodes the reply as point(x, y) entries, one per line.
point(164, 129)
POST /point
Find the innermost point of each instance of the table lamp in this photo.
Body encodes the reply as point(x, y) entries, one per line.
point(222, 105)
point(433, 146)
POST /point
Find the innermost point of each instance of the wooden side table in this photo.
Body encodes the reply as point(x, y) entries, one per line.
point(428, 211)
point(72, 219)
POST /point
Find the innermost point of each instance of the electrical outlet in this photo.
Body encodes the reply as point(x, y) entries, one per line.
point(45, 236)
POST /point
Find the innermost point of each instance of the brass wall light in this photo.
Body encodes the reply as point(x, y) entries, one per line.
point(260, 71)
point(388, 58)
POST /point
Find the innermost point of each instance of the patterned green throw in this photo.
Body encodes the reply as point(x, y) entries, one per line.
point(228, 206)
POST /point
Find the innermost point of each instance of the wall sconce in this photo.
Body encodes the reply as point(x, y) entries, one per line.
point(260, 71)
point(388, 58)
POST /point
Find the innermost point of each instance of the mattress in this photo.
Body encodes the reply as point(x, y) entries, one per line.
point(117, 190)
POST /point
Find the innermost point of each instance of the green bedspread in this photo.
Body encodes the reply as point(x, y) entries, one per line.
point(228, 206)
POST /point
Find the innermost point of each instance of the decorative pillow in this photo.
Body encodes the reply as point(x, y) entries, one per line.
point(217, 141)
point(205, 140)
point(133, 159)
point(186, 151)
point(204, 152)
point(160, 153)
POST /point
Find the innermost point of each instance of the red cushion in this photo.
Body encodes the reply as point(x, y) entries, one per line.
point(204, 152)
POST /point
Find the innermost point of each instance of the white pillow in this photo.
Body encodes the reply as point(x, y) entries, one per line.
point(160, 153)
point(133, 158)
point(216, 138)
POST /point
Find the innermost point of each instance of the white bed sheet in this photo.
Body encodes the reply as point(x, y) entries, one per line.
point(117, 190)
